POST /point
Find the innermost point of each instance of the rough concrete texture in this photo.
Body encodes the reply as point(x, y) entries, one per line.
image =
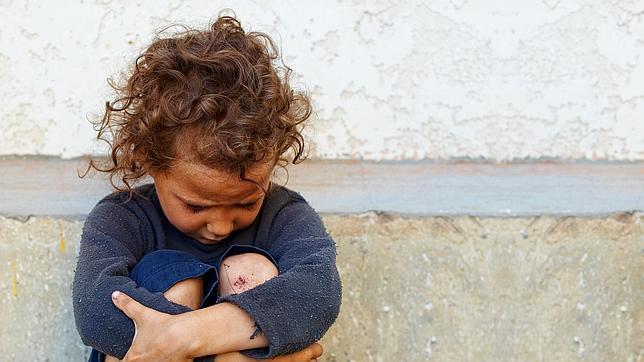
point(37, 261)
point(468, 289)
point(445, 289)
point(390, 79)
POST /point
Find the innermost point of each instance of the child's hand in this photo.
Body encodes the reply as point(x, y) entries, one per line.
point(154, 337)
point(310, 353)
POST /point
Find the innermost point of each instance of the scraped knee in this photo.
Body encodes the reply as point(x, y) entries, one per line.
point(241, 272)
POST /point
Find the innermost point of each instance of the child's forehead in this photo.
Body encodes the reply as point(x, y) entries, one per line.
point(200, 181)
point(258, 172)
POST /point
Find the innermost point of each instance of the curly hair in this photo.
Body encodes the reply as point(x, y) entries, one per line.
point(214, 96)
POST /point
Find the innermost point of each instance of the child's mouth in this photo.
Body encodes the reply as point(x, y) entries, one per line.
point(212, 241)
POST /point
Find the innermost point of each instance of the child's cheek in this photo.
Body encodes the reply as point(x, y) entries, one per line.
point(244, 223)
point(186, 222)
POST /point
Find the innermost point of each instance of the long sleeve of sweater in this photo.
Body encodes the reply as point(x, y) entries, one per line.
point(298, 306)
point(114, 238)
point(293, 309)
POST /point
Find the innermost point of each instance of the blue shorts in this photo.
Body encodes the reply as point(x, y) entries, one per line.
point(159, 270)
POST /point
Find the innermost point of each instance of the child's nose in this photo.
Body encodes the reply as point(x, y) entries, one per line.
point(219, 228)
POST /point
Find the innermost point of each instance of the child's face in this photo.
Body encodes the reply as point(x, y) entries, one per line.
point(207, 204)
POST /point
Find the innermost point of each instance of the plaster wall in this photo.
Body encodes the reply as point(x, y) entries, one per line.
point(442, 79)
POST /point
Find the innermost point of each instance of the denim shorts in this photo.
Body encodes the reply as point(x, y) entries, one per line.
point(159, 270)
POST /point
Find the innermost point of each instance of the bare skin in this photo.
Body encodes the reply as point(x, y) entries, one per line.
point(188, 292)
point(241, 272)
point(238, 273)
point(207, 205)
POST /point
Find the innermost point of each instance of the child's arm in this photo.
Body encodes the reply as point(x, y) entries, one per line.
point(297, 307)
point(292, 310)
point(114, 237)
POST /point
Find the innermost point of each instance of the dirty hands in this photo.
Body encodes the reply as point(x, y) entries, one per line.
point(158, 336)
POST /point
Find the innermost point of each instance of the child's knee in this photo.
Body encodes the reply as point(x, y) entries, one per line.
point(241, 272)
point(188, 292)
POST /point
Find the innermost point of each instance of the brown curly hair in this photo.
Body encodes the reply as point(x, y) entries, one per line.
point(214, 96)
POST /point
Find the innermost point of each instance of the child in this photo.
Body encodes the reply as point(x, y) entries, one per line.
point(211, 258)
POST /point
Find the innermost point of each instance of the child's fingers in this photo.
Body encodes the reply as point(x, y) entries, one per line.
point(310, 353)
point(125, 303)
point(316, 350)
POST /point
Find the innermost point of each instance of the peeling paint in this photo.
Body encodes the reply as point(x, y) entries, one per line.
point(447, 79)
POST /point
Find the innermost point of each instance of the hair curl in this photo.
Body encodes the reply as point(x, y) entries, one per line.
point(216, 97)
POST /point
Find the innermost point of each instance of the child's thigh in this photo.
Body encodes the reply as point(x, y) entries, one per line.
point(188, 292)
point(180, 276)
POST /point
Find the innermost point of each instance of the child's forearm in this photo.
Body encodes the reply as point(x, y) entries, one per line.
point(220, 328)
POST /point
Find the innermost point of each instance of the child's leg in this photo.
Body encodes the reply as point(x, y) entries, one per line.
point(182, 284)
point(237, 273)
point(241, 272)
point(187, 292)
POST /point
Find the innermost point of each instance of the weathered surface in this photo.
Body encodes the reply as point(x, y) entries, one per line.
point(446, 289)
point(46, 187)
point(390, 79)
point(489, 289)
point(37, 261)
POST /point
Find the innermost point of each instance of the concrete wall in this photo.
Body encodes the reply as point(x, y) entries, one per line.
point(441, 79)
point(415, 289)
point(391, 80)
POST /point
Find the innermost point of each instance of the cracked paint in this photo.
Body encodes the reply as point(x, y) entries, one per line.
point(391, 80)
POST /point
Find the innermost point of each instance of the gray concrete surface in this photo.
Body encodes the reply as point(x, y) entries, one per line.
point(52, 187)
point(415, 288)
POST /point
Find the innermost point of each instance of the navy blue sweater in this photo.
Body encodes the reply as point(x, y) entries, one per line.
point(293, 309)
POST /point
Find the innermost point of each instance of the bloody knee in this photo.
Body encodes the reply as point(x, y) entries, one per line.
point(241, 272)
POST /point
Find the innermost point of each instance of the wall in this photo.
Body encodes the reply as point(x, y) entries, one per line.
point(498, 80)
point(414, 289)
point(478, 273)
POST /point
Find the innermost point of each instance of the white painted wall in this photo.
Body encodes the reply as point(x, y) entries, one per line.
point(391, 79)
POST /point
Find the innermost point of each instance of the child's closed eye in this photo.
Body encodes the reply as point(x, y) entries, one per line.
point(249, 206)
point(195, 209)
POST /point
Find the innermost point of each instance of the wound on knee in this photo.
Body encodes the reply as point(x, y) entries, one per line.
point(237, 283)
point(240, 282)
point(242, 272)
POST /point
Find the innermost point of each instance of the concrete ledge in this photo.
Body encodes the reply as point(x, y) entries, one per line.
point(415, 289)
point(441, 287)
point(51, 187)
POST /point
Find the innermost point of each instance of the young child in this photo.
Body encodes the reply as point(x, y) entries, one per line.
point(211, 258)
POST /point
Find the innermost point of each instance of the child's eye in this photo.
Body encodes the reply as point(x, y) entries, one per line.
point(195, 209)
point(249, 206)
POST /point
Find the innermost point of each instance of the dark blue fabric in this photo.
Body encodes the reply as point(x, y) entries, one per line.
point(293, 310)
point(159, 270)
